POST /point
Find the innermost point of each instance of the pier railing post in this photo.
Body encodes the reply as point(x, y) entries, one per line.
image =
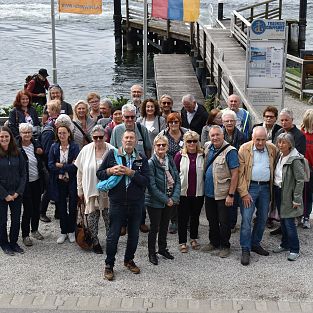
point(266, 10)
point(212, 63)
point(280, 9)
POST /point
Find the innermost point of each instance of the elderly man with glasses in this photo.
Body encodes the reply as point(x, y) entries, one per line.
point(143, 144)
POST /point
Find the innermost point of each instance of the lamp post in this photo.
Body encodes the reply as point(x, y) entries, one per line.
point(54, 58)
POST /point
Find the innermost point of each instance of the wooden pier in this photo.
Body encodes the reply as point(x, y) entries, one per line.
point(218, 54)
point(175, 75)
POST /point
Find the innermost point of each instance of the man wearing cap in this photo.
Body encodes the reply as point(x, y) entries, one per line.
point(38, 86)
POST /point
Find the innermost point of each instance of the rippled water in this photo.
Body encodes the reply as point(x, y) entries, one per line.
point(86, 59)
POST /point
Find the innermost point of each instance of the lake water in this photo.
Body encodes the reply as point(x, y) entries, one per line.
point(86, 59)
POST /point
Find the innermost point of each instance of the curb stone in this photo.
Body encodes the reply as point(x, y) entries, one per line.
point(99, 303)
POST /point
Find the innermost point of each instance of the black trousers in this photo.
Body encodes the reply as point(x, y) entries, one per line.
point(189, 209)
point(159, 220)
point(218, 215)
point(31, 207)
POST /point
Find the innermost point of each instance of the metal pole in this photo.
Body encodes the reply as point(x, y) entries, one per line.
point(220, 8)
point(145, 47)
point(117, 17)
point(54, 58)
point(302, 23)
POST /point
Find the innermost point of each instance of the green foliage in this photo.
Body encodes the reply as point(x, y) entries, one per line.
point(5, 111)
point(38, 108)
point(119, 101)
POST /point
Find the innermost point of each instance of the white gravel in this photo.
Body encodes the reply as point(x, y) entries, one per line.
point(49, 268)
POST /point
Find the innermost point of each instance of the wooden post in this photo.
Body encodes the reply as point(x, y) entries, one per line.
point(266, 10)
point(198, 38)
point(212, 63)
point(117, 17)
point(168, 28)
point(219, 82)
point(302, 80)
point(230, 88)
point(280, 8)
point(251, 15)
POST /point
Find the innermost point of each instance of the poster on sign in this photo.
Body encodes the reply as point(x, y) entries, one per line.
point(80, 6)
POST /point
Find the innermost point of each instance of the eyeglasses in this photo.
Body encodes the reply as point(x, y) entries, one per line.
point(161, 145)
point(129, 117)
point(192, 141)
point(166, 102)
point(97, 137)
point(269, 116)
point(229, 121)
point(173, 122)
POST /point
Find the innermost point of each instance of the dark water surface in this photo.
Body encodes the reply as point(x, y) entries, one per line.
point(86, 59)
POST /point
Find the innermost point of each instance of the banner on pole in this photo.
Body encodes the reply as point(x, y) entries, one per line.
point(181, 10)
point(80, 6)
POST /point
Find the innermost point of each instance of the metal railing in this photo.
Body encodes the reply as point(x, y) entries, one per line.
point(242, 18)
point(298, 74)
point(219, 74)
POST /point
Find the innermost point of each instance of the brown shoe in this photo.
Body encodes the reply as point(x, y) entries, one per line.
point(123, 231)
point(131, 265)
point(108, 272)
point(144, 228)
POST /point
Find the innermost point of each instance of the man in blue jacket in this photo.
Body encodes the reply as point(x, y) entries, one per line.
point(126, 199)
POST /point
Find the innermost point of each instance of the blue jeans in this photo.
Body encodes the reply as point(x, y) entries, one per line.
point(290, 238)
point(261, 198)
point(15, 209)
point(118, 214)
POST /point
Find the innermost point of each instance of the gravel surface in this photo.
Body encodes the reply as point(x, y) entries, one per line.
point(49, 268)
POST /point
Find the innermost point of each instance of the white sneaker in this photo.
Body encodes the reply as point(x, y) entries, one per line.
point(306, 223)
point(293, 256)
point(71, 237)
point(62, 238)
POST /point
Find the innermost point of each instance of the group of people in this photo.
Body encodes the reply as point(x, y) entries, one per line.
point(157, 160)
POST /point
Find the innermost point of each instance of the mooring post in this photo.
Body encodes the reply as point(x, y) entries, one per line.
point(220, 9)
point(302, 24)
point(117, 17)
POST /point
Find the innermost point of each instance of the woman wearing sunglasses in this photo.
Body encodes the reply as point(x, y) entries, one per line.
point(88, 161)
point(174, 133)
point(190, 165)
point(163, 194)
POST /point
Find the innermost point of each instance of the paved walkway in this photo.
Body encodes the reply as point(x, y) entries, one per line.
point(104, 304)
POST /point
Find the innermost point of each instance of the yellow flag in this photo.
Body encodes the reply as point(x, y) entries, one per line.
point(191, 10)
point(80, 6)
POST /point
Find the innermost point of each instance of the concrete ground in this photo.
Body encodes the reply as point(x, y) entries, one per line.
point(63, 277)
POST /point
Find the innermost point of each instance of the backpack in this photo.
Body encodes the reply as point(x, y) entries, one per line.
point(28, 79)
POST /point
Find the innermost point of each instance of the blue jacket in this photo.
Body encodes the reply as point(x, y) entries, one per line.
point(17, 116)
point(13, 175)
point(156, 196)
point(136, 189)
point(70, 168)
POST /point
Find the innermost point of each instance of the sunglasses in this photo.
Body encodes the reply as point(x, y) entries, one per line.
point(97, 137)
point(129, 117)
point(161, 145)
point(54, 86)
point(173, 122)
point(192, 141)
point(166, 102)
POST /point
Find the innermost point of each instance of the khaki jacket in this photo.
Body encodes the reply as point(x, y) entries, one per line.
point(245, 165)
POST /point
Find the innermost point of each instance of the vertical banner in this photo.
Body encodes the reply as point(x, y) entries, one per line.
point(176, 10)
point(191, 10)
point(80, 6)
point(180, 10)
point(159, 8)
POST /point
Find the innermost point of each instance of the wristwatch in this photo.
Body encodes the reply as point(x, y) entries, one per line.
point(231, 195)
